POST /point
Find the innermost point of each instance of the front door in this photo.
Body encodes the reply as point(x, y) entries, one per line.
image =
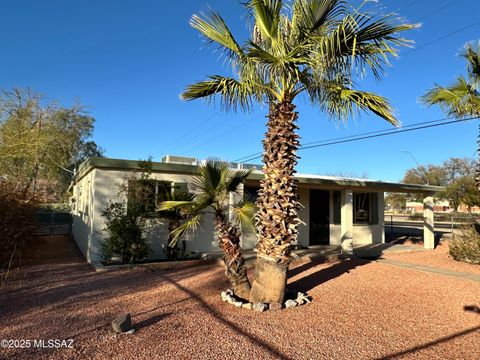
point(319, 217)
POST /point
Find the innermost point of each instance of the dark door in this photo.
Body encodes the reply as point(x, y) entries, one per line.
point(319, 217)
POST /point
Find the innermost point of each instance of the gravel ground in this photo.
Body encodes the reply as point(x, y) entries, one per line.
point(360, 310)
point(437, 258)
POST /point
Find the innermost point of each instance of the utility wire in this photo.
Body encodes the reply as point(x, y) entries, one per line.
point(190, 131)
point(363, 136)
point(354, 136)
point(442, 38)
point(435, 11)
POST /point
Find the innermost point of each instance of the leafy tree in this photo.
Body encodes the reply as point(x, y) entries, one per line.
point(40, 140)
point(213, 184)
point(311, 47)
point(457, 175)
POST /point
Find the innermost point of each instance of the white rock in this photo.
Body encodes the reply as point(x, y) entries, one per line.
point(290, 303)
point(247, 305)
point(238, 303)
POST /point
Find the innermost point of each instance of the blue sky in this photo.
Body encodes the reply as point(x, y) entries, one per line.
point(128, 61)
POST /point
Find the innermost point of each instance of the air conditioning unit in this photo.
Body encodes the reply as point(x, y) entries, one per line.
point(172, 159)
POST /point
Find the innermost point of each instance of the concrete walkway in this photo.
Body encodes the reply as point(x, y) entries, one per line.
point(430, 269)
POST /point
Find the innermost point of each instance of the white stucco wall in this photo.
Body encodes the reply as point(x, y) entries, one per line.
point(99, 186)
point(83, 213)
point(106, 185)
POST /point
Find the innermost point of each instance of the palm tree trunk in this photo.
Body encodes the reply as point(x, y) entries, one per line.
point(229, 241)
point(477, 168)
point(277, 217)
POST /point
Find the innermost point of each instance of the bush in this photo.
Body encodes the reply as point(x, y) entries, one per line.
point(466, 247)
point(17, 225)
point(126, 230)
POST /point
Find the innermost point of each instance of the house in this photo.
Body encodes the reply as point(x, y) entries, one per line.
point(337, 211)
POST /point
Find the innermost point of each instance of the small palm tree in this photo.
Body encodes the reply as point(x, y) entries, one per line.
point(214, 182)
point(311, 47)
point(175, 216)
point(462, 98)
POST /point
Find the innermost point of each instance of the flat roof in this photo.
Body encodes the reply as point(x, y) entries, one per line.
point(256, 175)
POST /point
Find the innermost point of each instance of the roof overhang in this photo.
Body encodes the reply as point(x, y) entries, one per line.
point(308, 180)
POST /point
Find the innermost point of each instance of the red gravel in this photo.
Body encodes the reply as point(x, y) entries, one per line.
point(360, 310)
point(439, 258)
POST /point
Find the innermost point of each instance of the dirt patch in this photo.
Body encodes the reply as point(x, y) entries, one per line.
point(359, 310)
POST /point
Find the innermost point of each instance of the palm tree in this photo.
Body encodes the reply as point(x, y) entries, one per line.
point(312, 47)
point(175, 216)
point(214, 182)
point(462, 98)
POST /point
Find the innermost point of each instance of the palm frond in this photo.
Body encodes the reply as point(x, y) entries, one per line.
point(233, 94)
point(215, 30)
point(472, 54)
point(266, 14)
point(342, 102)
point(458, 99)
point(189, 226)
point(172, 205)
point(244, 214)
point(235, 178)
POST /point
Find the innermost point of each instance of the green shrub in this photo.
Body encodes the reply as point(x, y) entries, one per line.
point(466, 247)
point(126, 234)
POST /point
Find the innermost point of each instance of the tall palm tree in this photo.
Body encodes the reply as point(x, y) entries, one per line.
point(312, 47)
point(214, 182)
point(462, 98)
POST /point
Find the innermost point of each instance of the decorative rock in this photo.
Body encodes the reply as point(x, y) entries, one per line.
point(261, 307)
point(229, 292)
point(290, 304)
point(230, 299)
point(302, 299)
point(224, 295)
point(275, 306)
point(122, 323)
point(238, 303)
point(247, 305)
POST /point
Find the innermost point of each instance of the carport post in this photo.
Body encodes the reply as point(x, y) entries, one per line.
point(428, 225)
point(347, 221)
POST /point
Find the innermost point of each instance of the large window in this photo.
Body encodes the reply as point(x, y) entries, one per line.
point(147, 194)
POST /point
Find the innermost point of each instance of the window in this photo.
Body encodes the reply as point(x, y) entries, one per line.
point(365, 208)
point(147, 194)
point(250, 193)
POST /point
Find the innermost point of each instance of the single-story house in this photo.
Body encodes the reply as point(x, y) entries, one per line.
point(336, 211)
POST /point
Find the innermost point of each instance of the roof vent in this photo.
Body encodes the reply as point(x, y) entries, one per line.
point(172, 159)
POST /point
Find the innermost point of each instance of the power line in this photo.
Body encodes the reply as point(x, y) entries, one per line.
point(354, 136)
point(442, 38)
point(364, 136)
point(217, 136)
point(190, 131)
point(435, 11)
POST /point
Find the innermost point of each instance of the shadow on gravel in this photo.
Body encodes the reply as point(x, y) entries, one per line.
point(321, 276)
point(151, 321)
point(254, 339)
point(430, 344)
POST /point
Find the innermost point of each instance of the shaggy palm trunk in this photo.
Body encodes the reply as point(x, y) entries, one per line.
point(477, 170)
point(277, 218)
point(172, 251)
point(229, 241)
